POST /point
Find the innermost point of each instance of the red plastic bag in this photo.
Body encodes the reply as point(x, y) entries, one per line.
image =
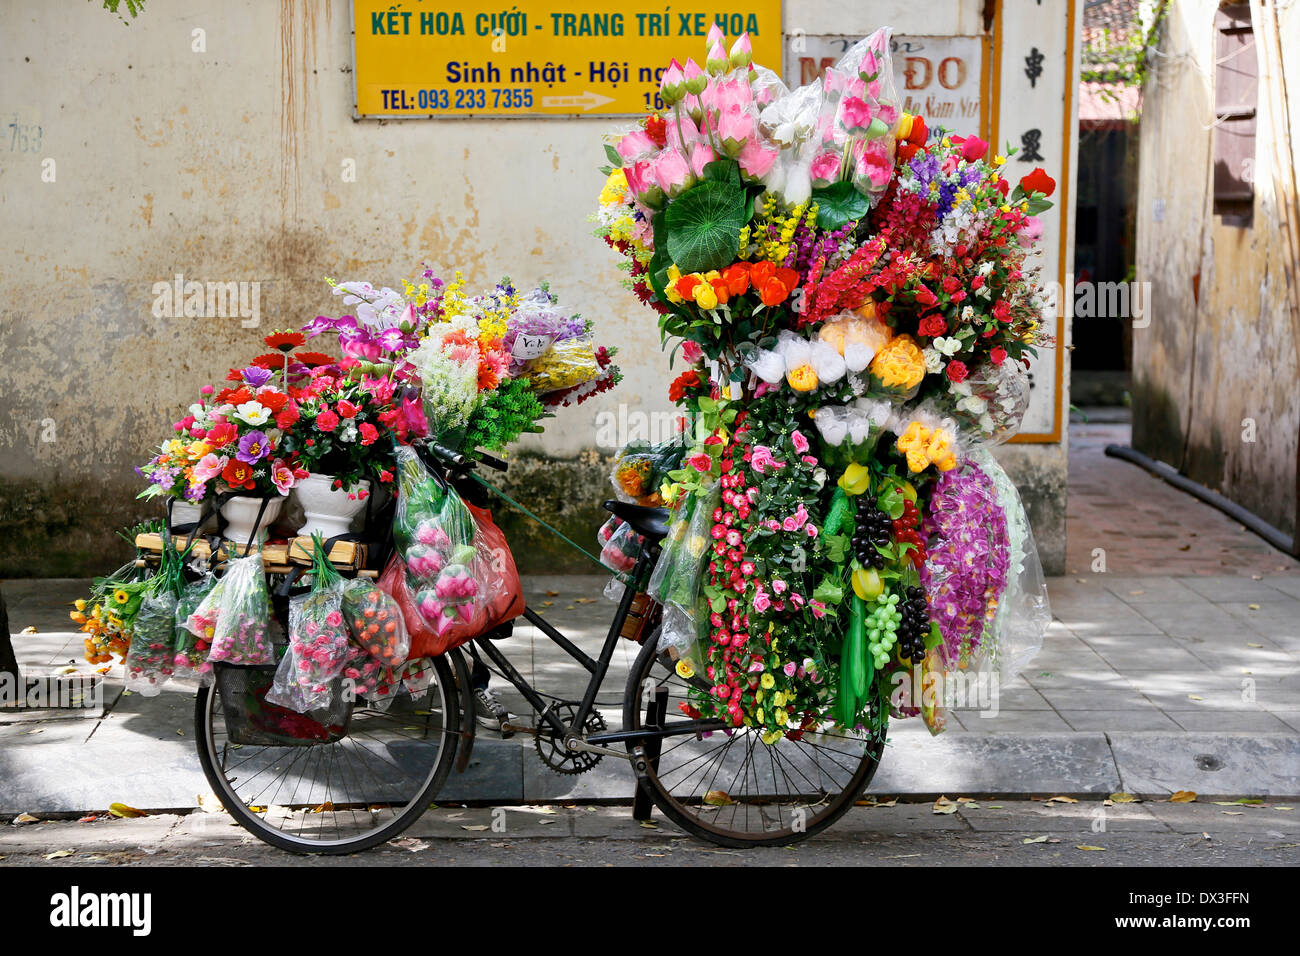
point(500, 596)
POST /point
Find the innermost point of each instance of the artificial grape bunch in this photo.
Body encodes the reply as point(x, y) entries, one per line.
point(905, 532)
point(883, 620)
point(873, 528)
point(913, 626)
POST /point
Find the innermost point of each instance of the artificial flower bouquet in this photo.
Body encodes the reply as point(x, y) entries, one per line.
point(478, 371)
point(856, 308)
point(319, 646)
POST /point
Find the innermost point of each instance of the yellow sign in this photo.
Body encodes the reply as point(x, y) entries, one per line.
point(538, 57)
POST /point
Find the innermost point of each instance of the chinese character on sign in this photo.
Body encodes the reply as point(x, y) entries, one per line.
point(1034, 66)
point(1029, 143)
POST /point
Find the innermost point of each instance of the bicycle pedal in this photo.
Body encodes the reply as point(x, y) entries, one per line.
point(508, 728)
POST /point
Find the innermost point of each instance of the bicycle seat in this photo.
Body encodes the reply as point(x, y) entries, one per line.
point(651, 522)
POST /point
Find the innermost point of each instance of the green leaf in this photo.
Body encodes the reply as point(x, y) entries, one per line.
point(829, 591)
point(722, 171)
point(614, 157)
point(839, 203)
point(703, 226)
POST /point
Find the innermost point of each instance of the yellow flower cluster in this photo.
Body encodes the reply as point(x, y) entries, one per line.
point(702, 295)
point(900, 364)
point(925, 446)
point(417, 294)
point(775, 248)
point(105, 637)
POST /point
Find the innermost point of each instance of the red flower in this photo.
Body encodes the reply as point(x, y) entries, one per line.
point(774, 292)
point(238, 474)
point(1038, 182)
point(657, 129)
point(685, 286)
point(287, 418)
point(973, 149)
point(368, 433)
point(285, 341)
point(998, 355)
point(314, 358)
point(272, 399)
point(761, 272)
point(932, 326)
point(1004, 187)
point(957, 371)
point(919, 132)
point(221, 435)
point(385, 476)
point(327, 421)
point(272, 361)
point(347, 409)
point(689, 379)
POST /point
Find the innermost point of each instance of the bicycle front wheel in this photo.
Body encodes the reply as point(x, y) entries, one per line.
point(730, 788)
point(338, 796)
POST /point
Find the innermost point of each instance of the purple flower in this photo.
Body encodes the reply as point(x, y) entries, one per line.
point(253, 447)
point(393, 340)
point(322, 323)
point(256, 377)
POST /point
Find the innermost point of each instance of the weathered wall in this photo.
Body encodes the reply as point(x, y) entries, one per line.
point(1218, 363)
point(228, 166)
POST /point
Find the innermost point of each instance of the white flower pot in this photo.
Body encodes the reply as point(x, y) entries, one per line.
point(185, 513)
point(241, 512)
point(328, 510)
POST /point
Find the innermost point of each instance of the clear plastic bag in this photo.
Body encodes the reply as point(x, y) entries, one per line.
point(149, 657)
point(676, 580)
point(620, 546)
point(927, 437)
point(640, 469)
point(318, 650)
point(189, 650)
point(375, 622)
point(990, 403)
point(1024, 612)
point(238, 613)
point(564, 365)
point(202, 623)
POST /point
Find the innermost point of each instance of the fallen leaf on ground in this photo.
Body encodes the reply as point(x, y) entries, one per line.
point(546, 823)
point(1240, 802)
point(89, 818)
point(547, 603)
point(1037, 839)
point(125, 812)
point(552, 593)
point(1195, 697)
point(718, 798)
point(1232, 813)
point(1061, 799)
point(29, 629)
point(1084, 846)
point(210, 803)
point(944, 805)
point(1183, 796)
point(879, 803)
point(901, 856)
point(25, 818)
point(1283, 808)
point(409, 843)
point(1123, 797)
point(1251, 644)
point(647, 825)
point(59, 854)
point(1253, 607)
point(475, 827)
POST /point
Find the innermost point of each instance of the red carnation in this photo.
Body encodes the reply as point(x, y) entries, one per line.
point(327, 421)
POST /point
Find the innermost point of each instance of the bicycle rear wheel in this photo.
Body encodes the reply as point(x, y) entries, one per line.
point(732, 789)
point(337, 796)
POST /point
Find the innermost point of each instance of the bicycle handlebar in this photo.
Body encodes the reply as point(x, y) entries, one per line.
point(457, 461)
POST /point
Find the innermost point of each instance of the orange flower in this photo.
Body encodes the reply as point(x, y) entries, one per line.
point(238, 474)
point(685, 286)
point(721, 289)
point(736, 276)
point(773, 291)
point(761, 272)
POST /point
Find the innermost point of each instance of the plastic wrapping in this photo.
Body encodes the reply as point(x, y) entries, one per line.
point(851, 431)
point(679, 573)
point(565, 364)
point(856, 336)
point(318, 649)
point(897, 369)
point(928, 437)
point(620, 546)
point(1024, 612)
point(149, 657)
point(235, 616)
point(189, 650)
point(380, 642)
point(869, 112)
point(991, 402)
point(253, 720)
point(641, 468)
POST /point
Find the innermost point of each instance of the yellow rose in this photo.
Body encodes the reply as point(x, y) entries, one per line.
point(705, 297)
point(899, 364)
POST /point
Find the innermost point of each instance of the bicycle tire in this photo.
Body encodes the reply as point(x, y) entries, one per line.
point(696, 819)
point(205, 716)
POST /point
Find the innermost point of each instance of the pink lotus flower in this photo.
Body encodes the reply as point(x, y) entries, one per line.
point(671, 87)
point(756, 161)
point(715, 36)
point(695, 78)
point(672, 172)
point(825, 169)
point(735, 129)
point(855, 115)
point(701, 155)
point(717, 60)
point(742, 52)
point(636, 145)
point(876, 165)
point(642, 183)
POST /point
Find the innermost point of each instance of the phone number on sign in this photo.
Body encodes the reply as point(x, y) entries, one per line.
point(498, 98)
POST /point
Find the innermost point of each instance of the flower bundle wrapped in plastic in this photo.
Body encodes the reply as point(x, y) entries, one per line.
point(190, 651)
point(150, 658)
point(641, 469)
point(235, 616)
point(620, 546)
point(380, 642)
point(318, 641)
point(435, 535)
point(855, 298)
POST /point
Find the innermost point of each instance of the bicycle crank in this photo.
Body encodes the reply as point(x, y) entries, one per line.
point(570, 755)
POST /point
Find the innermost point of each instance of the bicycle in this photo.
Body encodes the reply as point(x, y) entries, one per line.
point(381, 770)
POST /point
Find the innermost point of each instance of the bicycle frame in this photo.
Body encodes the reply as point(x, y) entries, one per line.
point(598, 668)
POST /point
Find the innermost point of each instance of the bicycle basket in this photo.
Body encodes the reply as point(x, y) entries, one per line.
point(251, 720)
